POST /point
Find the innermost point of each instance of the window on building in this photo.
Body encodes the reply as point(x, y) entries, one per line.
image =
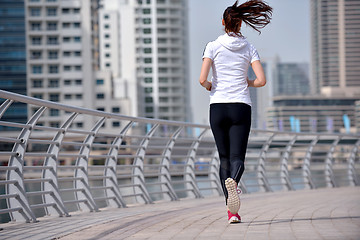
point(107, 64)
point(54, 112)
point(107, 45)
point(147, 60)
point(51, 11)
point(55, 124)
point(148, 90)
point(107, 35)
point(37, 83)
point(101, 109)
point(76, 25)
point(67, 82)
point(54, 97)
point(37, 95)
point(53, 83)
point(163, 80)
point(116, 110)
point(148, 99)
point(36, 55)
point(99, 81)
point(106, 16)
point(161, 10)
point(147, 50)
point(78, 68)
point(163, 70)
point(76, 10)
point(67, 68)
point(66, 54)
point(79, 124)
point(149, 109)
point(77, 39)
point(148, 1)
point(147, 31)
point(67, 96)
point(53, 69)
point(65, 10)
point(66, 25)
point(36, 40)
point(106, 26)
point(66, 39)
point(36, 69)
point(51, 26)
point(35, 12)
point(163, 90)
point(148, 70)
point(52, 40)
point(78, 82)
point(147, 20)
point(147, 40)
point(146, 11)
point(52, 54)
point(116, 124)
point(78, 96)
point(107, 55)
point(148, 80)
point(36, 26)
point(77, 54)
point(100, 96)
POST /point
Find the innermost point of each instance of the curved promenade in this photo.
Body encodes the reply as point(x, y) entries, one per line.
point(329, 213)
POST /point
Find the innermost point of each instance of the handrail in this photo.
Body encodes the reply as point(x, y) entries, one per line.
point(146, 160)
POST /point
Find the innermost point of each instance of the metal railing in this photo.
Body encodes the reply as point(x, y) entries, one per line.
point(62, 168)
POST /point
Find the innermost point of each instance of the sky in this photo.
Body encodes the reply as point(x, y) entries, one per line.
point(286, 37)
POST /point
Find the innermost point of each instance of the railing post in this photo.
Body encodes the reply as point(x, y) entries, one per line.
point(5, 105)
point(214, 172)
point(189, 174)
point(261, 172)
point(51, 161)
point(352, 175)
point(165, 176)
point(284, 168)
point(138, 170)
point(329, 173)
point(18, 161)
point(110, 170)
point(83, 161)
point(306, 165)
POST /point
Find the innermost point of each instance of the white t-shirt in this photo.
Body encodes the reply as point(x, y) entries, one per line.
point(231, 57)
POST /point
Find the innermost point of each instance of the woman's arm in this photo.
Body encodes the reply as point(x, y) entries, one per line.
point(260, 80)
point(205, 69)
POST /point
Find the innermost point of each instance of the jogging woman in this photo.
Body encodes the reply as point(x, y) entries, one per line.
point(230, 56)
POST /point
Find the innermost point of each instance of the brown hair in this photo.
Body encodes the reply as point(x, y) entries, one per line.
point(255, 13)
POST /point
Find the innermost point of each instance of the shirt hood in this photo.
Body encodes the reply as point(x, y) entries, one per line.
point(232, 43)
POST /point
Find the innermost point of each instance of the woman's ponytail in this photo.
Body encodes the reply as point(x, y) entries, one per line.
point(255, 13)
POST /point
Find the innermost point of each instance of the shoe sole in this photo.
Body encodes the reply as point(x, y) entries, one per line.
point(234, 220)
point(233, 202)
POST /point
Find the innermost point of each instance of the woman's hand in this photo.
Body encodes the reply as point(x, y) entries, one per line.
point(207, 85)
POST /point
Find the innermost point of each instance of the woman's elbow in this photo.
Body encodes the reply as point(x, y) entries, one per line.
point(262, 82)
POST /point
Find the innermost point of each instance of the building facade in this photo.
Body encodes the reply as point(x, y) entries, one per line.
point(291, 79)
point(146, 48)
point(63, 60)
point(13, 57)
point(312, 114)
point(335, 47)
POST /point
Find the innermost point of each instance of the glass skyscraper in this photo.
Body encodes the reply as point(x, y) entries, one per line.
point(13, 57)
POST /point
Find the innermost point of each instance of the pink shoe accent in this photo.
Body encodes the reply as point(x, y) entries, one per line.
point(233, 218)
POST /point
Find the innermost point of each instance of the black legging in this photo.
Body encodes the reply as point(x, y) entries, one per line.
point(230, 124)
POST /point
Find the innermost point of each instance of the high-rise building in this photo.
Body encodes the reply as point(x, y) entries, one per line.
point(145, 44)
point(13, 57)
point(335, 47)
point(291, 79)
point(63, 59)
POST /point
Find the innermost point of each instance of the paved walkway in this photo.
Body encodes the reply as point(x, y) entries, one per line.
point(305, 214)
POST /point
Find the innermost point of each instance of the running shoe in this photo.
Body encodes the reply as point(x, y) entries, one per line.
point(233, 201)
point(233, 218)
